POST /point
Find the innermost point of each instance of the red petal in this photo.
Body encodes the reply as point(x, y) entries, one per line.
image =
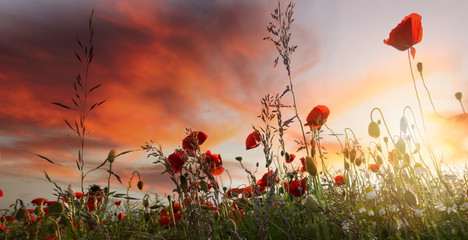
point(413, 51)
point(253, 140)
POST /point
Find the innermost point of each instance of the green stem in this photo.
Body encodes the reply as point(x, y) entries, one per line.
point(429, 94)
point(416, 90)
point(297, 114)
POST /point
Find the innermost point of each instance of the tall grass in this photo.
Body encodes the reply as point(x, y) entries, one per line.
point(392, 189)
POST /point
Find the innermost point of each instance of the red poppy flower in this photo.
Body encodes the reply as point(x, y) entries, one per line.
point(193, 140)
point(117, 203)
point(408, 33)
point(253, 140)
point(237, 191)
point(374, 167)
point(177, 161)
point(303, 168)
point(1, 193)
point(291, 158)
point(296, 187)
point(120, 216)
point(94, 198)
point(264, 180)
point(164, 220)
point(317, 117)
point(176, 207)
point(78, 195)
point(38, 201)
point(215, 162)
point(339, 180)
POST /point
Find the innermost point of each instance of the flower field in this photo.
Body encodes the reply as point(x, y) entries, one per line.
point(394, 188)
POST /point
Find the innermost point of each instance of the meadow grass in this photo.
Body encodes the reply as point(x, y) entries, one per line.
point(392, 189)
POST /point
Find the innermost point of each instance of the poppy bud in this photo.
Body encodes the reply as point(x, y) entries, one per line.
point(311, 203)
point(56, 208)
point(145, 202)
point(458, 96)
point(374, 130)
point(420, 67)
point(352, 155)
point(311, 166)
point(111, 156)
point(21, 213)
point(140, 185)
point(411, 198)
point(401, 146)
point(204, 186)
point(403, 124)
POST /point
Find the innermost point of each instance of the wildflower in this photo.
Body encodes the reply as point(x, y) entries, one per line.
point(296, 187)
point(374, 167)
point(177, 161)
point(381, 211)
point(362, 208)
point(253, 140)
point(290, 157)
point(370, 194)
point(94, 196)
point(303, 163)
point(234, 192)
point(445, 207)
point(408, 33)
point(268, 179)
point(418, 211)
point(164, 220)
point(117, 203)
point(215, 162)
point(393, 207)
point(345, 226)
point(370, 212)
point(419, 169)
point(120, 216)
point(1, 193)
point(339, 180)
point(193, 141)
point(78, 195)
point(317, 117)
point(464, 205)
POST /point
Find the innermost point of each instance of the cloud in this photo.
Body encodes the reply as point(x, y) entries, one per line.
point(164, 66)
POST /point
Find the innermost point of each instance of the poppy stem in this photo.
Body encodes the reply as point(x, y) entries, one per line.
point(429, 94)
point(297, 114)
point(416, 90)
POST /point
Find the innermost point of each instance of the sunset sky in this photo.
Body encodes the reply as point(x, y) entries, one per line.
point(170, 64)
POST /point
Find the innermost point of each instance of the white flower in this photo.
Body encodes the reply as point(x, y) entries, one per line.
point(452, 209)
point(370, 212)
point(382, 212)
point(362, 209)
point(345, 226)
point(370, 194)
point(419, 169)
point(443, 207)
point(418, 212)
point(393, 207)
point(464, 206)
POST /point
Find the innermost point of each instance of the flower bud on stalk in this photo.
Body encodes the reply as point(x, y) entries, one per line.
point(420, 67)
point(311, 166)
